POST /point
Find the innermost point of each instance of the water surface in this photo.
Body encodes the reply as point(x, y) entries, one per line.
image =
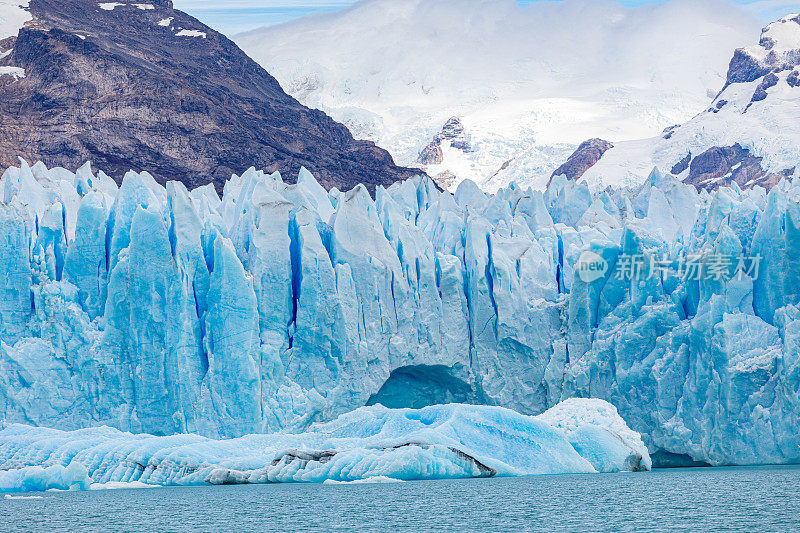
point(697, 499)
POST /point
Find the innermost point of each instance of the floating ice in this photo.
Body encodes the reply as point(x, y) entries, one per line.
point(73, 476)
point(371, 444)
point(14, 72)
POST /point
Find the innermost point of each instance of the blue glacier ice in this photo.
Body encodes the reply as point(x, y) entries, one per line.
point(163, 311)
point(370, 443)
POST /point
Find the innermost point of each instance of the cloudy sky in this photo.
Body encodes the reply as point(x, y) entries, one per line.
point(234, 16)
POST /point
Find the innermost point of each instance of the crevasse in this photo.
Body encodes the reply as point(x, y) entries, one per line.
point(161, 310)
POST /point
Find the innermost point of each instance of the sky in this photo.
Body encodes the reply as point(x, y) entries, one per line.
point(235, 16)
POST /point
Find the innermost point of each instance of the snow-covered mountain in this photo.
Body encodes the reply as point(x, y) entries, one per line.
point(749, 133)
point(495, 91)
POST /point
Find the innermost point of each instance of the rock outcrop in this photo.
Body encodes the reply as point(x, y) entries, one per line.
point(454, 134)
point(582, 159)
point(722, 165)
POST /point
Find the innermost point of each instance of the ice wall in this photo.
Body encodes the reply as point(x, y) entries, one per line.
point(163, 311)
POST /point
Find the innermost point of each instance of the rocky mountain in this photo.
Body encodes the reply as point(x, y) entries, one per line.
point(749, 133)
point(140, 85)
point(452, 137)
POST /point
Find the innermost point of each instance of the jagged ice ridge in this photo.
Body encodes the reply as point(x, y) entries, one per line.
point(159, 310)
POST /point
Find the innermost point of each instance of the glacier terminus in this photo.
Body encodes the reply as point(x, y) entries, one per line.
point(280, 313)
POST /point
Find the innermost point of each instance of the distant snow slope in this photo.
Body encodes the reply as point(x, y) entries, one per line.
point(751, 127)
point(528, 83)
point(12, 17)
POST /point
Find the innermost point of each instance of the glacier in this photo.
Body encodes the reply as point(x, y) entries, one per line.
point(370, 444)
point(157, 310)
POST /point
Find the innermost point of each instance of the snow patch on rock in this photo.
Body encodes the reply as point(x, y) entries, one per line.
point(14, 72)
point(13, 16)
point(191, 33)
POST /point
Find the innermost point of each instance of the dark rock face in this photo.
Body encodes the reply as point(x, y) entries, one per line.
point(156, 90)
point(453, 131)
point(669, 131)
point(681, 165)
point(744, 68)
point(793, 79)
point(715, 108)
point(431, 154)
point(582, 159)
point(722, 165)
point(770, 80)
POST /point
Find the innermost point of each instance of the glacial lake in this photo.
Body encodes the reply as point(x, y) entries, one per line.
point(696, 499)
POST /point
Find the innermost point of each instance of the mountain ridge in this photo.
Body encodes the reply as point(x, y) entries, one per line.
point(144, 86)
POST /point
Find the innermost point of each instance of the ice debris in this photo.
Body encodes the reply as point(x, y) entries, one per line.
point(371, 444)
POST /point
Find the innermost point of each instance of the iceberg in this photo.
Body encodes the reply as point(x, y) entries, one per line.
point(371, 444)
point(157, 310)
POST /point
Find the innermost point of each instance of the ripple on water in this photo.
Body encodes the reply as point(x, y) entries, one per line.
point(698, 499)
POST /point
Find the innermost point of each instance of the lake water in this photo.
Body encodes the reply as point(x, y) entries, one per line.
point(695, 499)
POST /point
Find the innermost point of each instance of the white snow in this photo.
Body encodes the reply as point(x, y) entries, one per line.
point(784, 34)
point(145, 7)
point(15, 72)
point(527, 90)
point(109, 6)
point(191, 33)
point(768, 129)
point(13, 15)
point(165, 22)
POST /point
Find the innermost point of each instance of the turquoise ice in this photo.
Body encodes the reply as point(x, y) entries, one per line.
point(164, 311)
point(372, 444)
